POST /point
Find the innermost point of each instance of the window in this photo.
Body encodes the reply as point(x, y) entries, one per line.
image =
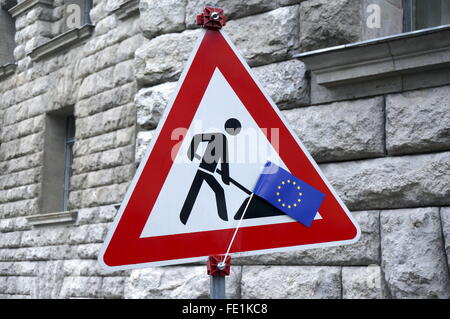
point(422, 14)
point(7, 32)
point(76, 14)
point(68, 158)
point(58, 158)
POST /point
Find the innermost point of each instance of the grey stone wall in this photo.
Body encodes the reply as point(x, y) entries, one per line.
point(386, 155)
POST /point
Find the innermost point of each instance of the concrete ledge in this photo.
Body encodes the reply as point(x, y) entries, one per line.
point(26, 5)
point(52, 218)
point(62, 41)
point(127, 9)
point(378, 66)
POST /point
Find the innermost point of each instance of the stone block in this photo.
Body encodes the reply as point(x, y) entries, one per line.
point(190, 282)
point(110, 120)
point(87, 234)
point(20, 208)
point(162, 58)
point(115, 175)
point(128, 47)
point(49, 280)
point(101, 214)
point(233, 9)
point(112, 287)
point(362, 282)
point(291, 282)
point(158, 17)
point(285, 82)
point(19, 193)
point(22, 146)
point(13, 224)
point(413, 259)
point(25, 177)
point(99, 196)
point(87, 251)
point(418, 121)
point(392, 182)
point(45, 237)
point(363, 252)
point(329, 23)
point(118, 96)
point(266, 38)
point(96, 83)
point(103, 160)
point(151, 102)
point(124, 73)
point(105, 142)
point(81, 287)
point(445, 221)
point(142, 142)
point(11, 240)
point(19, 285)
point(341, 130)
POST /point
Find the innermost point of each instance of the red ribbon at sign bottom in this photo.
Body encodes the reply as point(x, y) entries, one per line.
point(213, 266)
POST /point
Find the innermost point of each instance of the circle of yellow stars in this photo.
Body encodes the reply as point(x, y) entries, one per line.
point(299, 194)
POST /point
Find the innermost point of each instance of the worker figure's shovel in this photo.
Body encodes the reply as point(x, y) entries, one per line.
point(257, 208)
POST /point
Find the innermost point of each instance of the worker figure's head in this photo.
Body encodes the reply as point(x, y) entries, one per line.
point(233, 126)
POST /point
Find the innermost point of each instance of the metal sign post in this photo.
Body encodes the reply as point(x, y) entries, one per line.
point(218, 268)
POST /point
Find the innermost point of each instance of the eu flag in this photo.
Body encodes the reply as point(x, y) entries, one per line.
point(288, 193)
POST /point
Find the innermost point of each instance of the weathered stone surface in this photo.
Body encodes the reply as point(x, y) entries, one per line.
point(190, 282)
point(413, 258)
point(102, 214)
point(233, 9)
point(269, 37)
point(365, 251)
point(112, 287)
point(285, 82)
point(104, 142)
point(102, 160)
point(81, 287)
point(151, 102)
point(159, 17)
point(445, 221)
point(293, 282)
point(162, 58)
point(110, 120)
point(49, 280)
point(328, 23)
point(362, 282)
point(392, 182)
point(142, 141)
point(99, 196)
point(341, 130)
point(85, 234)
point(418, 121)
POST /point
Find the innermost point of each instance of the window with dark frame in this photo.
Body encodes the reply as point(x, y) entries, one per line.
point(423, 14)
point(68, 158)
point(59, 140)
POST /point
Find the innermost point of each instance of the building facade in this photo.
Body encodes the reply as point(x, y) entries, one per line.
point(364, 83)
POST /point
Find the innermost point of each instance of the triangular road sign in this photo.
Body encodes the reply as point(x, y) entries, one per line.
point(179, 207)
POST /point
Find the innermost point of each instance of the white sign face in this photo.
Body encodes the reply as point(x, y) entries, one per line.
point(248, 152)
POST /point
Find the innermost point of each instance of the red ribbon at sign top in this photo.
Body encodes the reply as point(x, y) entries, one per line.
point(211, 18)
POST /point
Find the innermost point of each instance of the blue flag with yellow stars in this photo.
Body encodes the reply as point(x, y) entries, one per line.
point(288, 193)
